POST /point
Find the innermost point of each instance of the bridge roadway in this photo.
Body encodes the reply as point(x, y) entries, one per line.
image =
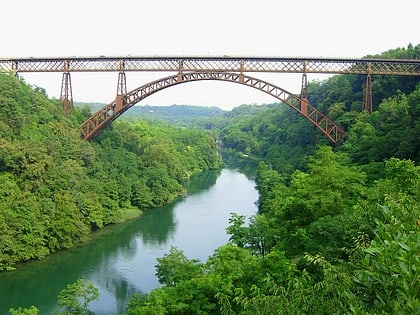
point(214, 64)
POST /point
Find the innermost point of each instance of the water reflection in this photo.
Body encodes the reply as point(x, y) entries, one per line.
point(245, 165)
point(39, 282)
point(156, 226)
point(120, 260)
point(202, 182)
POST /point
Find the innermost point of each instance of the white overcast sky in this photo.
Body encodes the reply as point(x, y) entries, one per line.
point(328, 28)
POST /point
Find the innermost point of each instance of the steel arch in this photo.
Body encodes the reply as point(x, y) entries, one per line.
point(105, 116)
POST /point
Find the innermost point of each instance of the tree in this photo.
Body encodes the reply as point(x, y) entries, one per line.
point(175, 267)
point(332, 184)
point(75, 298)
point(387, 277)
point(256, 237)
point(236, 229)
point(404, 175)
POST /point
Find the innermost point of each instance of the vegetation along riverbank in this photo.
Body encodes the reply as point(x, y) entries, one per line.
point(337, 230)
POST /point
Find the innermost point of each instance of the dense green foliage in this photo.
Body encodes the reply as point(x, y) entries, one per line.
point(338, 229)
point(308, 251)
point(75, 298)
point(181, 115)
point(185, 115)
point(55, 189)
point(274, 133)
point(279, 135)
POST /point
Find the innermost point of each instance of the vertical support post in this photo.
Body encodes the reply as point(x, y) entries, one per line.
point(122, 81)
point(15, 69)
point(304, 92)
point(241, 75)
point(180, 67)
point(367, 97)
point(121, 87)
point(66, 95)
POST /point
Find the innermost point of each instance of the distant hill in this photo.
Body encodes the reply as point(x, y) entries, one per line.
point(173, 114)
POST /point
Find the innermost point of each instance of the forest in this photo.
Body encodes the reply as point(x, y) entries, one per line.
point(56, 189)
point(338, 227)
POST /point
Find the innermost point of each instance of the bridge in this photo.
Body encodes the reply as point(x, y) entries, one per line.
point(224, 68)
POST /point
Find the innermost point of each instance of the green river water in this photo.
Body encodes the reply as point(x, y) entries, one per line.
point(120, 259)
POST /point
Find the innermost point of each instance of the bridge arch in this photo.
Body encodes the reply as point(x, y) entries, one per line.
point(110, 112)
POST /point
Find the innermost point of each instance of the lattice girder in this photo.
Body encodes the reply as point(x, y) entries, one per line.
point(215, 64)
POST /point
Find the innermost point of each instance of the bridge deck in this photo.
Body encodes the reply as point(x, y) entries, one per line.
point(222, 64)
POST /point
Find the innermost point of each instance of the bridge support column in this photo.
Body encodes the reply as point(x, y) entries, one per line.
point(241, 74)
point(304, 93)
point(122, 80)
point(15, 69)
point(66, 95)
point(180, 67)
point(367, 97)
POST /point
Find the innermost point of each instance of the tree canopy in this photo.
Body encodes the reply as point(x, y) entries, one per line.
point(337, 230)
point(56, 189)
point(338, 227)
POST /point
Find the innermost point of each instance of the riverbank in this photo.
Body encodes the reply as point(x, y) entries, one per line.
point(120, 259)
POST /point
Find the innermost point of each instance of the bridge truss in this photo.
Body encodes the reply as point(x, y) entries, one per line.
point(226, 68)
point(215, 64)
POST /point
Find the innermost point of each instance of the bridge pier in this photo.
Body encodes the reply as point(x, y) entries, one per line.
point(367, 97)
point(241, 74)
point(66, 95)
point(122, 80)
point(15, 69)
point(304, 92)
point(180, 67)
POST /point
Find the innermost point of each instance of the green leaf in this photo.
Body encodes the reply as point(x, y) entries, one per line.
point(403, 266)
point(404, 246)
point(373, 250)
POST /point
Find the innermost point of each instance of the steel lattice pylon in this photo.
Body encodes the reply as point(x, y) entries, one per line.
point(367, 98)
point(66, 94)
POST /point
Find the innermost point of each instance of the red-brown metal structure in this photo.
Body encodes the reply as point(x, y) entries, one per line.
point(104, 117)
point(224, 68)
point(219, 64)
point(66, 95)
point(122, 80)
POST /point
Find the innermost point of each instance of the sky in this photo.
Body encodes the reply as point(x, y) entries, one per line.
point(305, 28)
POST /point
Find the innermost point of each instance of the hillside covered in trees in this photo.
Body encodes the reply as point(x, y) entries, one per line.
point(180, 115)
point(337, 229)
point(55, 189)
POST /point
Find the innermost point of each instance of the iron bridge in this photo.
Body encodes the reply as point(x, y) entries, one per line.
point(225, 68)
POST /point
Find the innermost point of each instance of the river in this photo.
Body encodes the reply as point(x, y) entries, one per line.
point(120, 259)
